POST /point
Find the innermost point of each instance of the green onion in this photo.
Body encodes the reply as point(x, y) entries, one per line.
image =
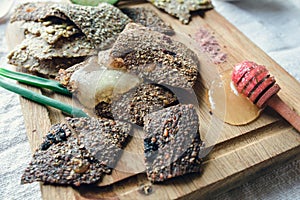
point(76, 112)
point(93, 2)
point(35, 81)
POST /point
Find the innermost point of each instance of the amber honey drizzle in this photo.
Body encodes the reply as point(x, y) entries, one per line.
point(227, 104)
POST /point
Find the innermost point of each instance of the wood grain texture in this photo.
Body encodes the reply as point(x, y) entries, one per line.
point(240, 152)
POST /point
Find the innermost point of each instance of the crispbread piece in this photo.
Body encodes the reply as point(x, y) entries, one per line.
point(72, 32)
point(101, 31)
point(64, 163)
point(51, 32)
point(78, 155)
point(105, 139)
point(172, 143)
point(36, 11)
point(58, 133)
point(45, 67)
point(49, 67)
point(38, 48)
point(142, 100)
point(148, 18)
point(100, 24)
point(181, 8)
point(154, 56)
point(37, 56)
point(62, 160)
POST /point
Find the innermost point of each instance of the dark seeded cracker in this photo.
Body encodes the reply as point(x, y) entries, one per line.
point(78, 34)
point(148, 18)
point(101, 30)
point(61, 160)
point(38, 48)
point(64, 163)
point(172, 143)
point(155, 56)
point(134, 105)
point(104, 138)
point(81, 158)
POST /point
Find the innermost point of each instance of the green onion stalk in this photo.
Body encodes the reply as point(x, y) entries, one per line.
point(41, 99)
point(35, 81)
point(93, 2)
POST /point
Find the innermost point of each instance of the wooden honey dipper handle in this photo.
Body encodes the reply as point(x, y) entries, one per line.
point(255, 82)
point(285, 111)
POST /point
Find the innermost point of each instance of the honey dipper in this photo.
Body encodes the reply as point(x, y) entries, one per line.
point(255, 82)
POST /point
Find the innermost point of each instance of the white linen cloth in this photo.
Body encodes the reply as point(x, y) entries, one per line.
point(273, 25)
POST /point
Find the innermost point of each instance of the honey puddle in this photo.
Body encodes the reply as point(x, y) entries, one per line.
point(236, 109)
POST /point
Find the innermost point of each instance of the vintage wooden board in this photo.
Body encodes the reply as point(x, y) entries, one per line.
point(240, 151)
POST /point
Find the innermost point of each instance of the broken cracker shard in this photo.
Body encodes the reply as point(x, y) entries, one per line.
point(50, 31)
point(153, 56)
point(63, 33)
point(56, 165)
point(182, 8)
point(134, 105)
point(98, 30)
point(79, 156)
point(148, 18)
point(178, 152)
point(103, 138)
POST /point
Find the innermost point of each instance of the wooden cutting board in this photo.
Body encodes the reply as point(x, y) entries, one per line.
point(239, 152)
